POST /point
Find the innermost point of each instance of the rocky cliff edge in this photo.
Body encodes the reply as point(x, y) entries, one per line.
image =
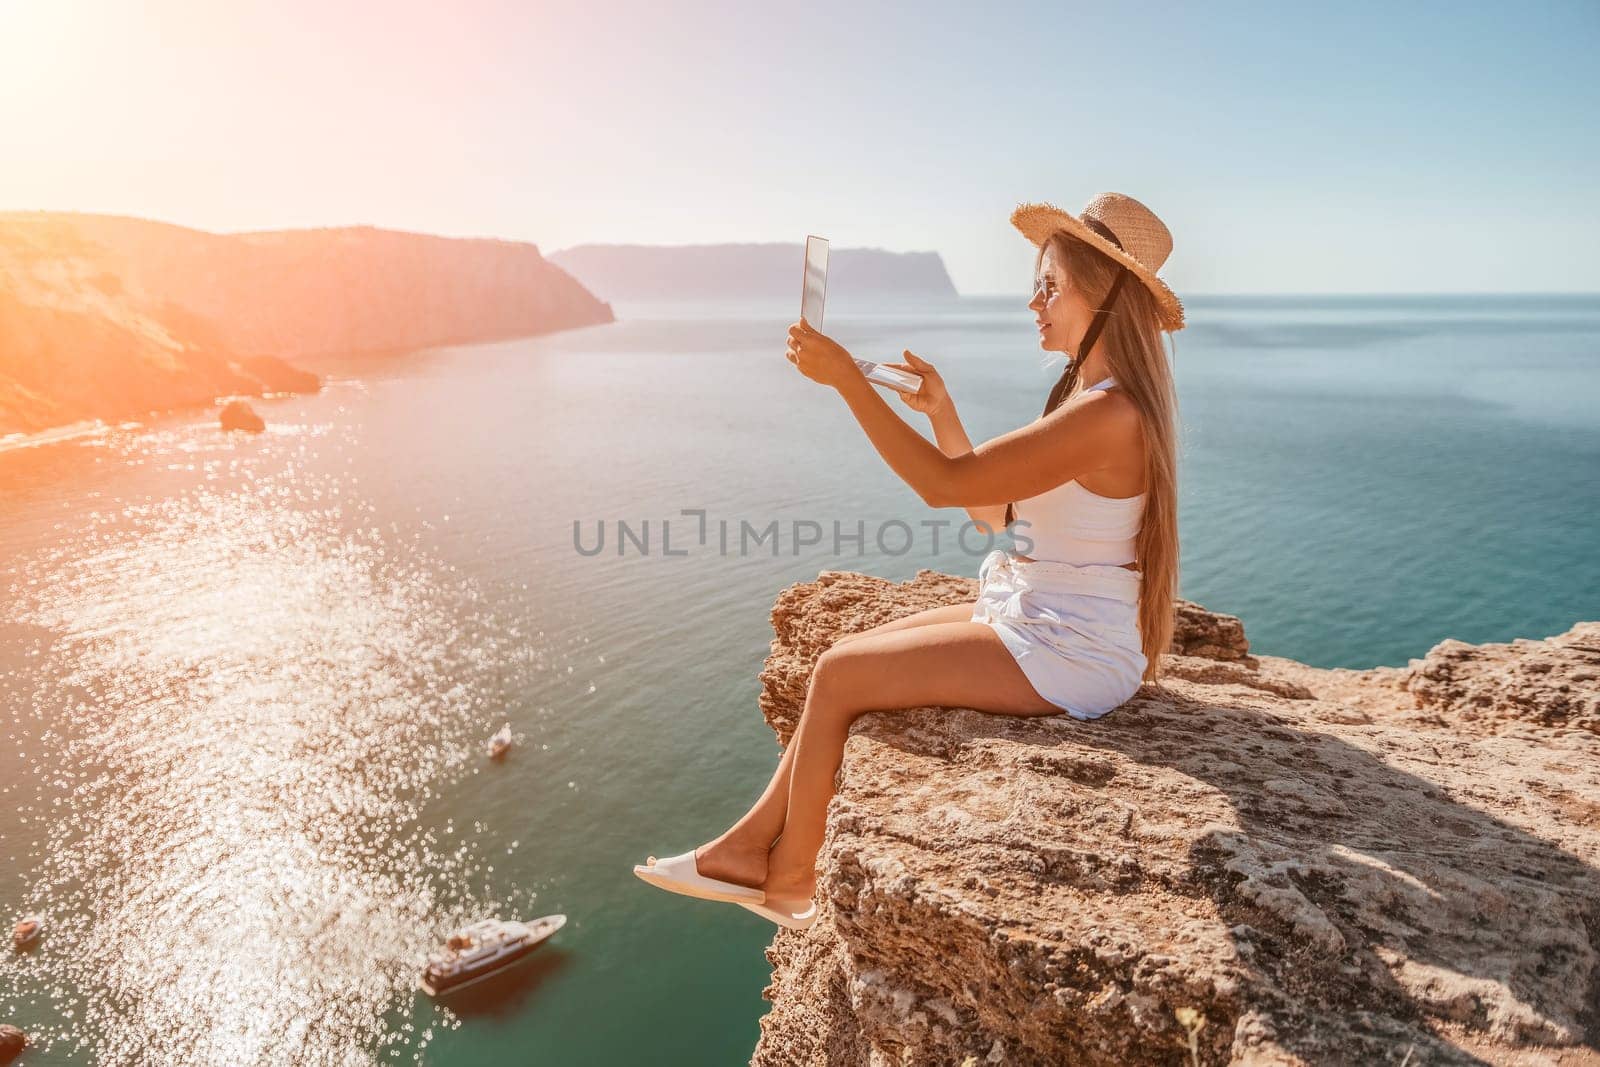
point(1253, 861)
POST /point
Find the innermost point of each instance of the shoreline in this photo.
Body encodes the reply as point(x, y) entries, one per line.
point(92, 428)
point(328, 368)
point(72, 431)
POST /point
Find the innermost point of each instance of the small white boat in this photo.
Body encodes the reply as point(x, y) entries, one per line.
point(28, 929)
point(500, 743)
point(484, 949)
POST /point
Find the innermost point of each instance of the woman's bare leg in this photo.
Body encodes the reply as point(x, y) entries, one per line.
point(954, 664)
point(739, 854)
point(764, 821)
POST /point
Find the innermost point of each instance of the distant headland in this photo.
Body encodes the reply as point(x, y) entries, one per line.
point(105, 317)
point(748, 271)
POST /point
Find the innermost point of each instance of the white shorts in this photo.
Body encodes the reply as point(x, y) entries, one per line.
point(1073, 628)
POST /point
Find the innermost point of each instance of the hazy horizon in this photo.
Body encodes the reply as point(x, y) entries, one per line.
point(548, 252)
point(1299, 155)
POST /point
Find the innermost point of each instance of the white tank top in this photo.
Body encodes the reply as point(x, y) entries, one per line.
point(1072, 525)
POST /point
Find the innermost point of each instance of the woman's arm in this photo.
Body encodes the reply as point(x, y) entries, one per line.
point(1084, 434)
point(953, 442)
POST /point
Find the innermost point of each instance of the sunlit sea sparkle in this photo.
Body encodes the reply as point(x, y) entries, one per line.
point(248, 698)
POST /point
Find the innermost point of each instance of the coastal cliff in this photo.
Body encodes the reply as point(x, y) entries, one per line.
point(1289, 864)
point(109, 318)
point(751, 272)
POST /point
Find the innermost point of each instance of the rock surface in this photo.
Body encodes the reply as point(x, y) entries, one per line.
point(237, 415)
point(12, 1042)
point(1323, 866)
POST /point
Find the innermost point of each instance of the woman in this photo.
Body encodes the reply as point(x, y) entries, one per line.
point(1078, 625)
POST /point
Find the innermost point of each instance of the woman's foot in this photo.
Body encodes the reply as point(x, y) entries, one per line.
point(732, 859)
point(790, 885)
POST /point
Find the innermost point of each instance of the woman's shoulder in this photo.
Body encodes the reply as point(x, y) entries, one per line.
point(1108, 417)
point(1114, 410)
point(1120, 428)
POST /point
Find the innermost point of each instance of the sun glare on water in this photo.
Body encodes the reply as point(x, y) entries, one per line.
point(247, 701)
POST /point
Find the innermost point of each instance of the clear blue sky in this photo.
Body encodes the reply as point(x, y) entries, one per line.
point(1362, 148)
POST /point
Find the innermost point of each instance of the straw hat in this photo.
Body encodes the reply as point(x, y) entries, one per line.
point(1123, 229)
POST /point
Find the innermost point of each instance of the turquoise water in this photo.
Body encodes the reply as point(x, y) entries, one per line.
point(247, 680)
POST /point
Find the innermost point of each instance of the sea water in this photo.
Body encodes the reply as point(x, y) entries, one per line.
point(247, 680)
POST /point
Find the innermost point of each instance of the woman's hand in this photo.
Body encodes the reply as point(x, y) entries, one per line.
point(933, 396)
point(820, 357)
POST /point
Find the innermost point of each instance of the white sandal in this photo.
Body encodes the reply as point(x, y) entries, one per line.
point(680, 874)
point(786, 913)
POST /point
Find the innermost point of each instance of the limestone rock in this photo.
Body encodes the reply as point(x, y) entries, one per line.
point(1206, 633)
point(12, 1042)
point(1553, 683)
point(1320, 866)
point(237, 415)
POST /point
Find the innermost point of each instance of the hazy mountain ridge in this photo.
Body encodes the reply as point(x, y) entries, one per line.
point(748, 271)
point(111, 317)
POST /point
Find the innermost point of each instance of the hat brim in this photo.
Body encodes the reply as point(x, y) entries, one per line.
point(1038, 221)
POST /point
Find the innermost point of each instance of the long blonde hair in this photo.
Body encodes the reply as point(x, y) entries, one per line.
point(1131, 345)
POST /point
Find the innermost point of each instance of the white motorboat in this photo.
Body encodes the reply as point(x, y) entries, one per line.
point(28, 929)
point(500, 743)
point(484, 949)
